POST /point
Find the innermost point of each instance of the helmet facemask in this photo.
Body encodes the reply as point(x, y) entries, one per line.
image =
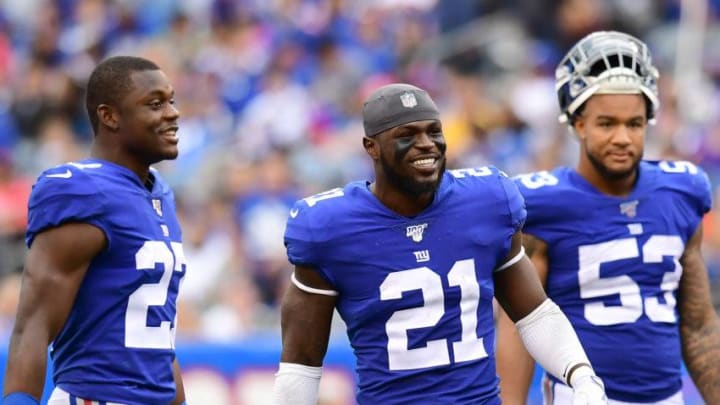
point(605, 62)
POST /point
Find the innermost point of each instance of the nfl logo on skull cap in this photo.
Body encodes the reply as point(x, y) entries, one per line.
point(408, 99)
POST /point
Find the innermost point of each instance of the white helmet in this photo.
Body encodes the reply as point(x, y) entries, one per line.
point(605, 62)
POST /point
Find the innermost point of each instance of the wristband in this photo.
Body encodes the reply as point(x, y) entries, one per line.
point(570, 373)
point(20, 398)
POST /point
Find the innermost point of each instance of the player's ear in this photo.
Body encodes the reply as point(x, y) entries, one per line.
point(107, 116)
point(578, 128)
point(371, 147)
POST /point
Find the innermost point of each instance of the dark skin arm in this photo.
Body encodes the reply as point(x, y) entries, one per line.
point(515, 366)
point(305, 320)
point(518, 288)
point(699, 323)
point(54, 269)
point(179, 387)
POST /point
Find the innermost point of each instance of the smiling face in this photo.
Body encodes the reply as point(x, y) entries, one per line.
point(410, 158)
point(611, 131)
point(147, 119)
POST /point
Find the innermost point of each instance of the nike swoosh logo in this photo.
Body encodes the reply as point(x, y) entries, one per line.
point(65, 175)
point(294, 212)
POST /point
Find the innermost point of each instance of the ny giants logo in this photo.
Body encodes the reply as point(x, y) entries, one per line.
point(422, 256)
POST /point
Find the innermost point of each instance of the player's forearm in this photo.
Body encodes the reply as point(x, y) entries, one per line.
point(515, 366)
point(26, 367)
point(178, 400)
point(701, 352)
point(515, 383)
point(551, 340)
point(179, 386)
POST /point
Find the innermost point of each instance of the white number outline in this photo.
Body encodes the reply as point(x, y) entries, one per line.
point(325, 195)
point(679, 166)
point(590, 258)
point(539, 179)
point(471, 171)
point(137, 333)
point(435, 352)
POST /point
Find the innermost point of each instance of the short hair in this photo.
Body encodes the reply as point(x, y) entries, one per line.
point(110, 82)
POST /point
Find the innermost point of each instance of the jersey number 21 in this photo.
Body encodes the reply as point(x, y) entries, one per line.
point(436, 352)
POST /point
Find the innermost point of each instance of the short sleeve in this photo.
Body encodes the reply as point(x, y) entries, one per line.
point(704, 192)
point(299, 243)
point(515, 201)
point(63, 195)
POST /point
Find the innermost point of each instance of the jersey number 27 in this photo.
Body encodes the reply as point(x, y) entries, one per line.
point(137, 332)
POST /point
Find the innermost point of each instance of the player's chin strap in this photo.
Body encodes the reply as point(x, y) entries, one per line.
point(551, 340)
point(296, 384)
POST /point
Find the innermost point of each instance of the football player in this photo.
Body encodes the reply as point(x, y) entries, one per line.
point(616, 240)
point(411, 261)
point(103, 271)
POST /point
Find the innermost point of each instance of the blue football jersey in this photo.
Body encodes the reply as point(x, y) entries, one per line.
point(118, 341)
point(614, 268)
point(416, 293)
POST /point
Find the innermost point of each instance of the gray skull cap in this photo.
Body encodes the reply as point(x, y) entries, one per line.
point(396, 104)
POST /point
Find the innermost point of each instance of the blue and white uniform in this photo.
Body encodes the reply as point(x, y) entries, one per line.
point(416, 293)
point(613, 268)
point(117, 344)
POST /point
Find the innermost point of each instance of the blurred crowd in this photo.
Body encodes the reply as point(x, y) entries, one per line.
point(270, 93)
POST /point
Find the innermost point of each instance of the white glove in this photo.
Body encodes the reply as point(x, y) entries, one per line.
point(589, 390)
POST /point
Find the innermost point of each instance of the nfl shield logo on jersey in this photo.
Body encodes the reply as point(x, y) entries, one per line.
point(157, 205)
point(629, 208)
point(408, 100)
point(416, 232)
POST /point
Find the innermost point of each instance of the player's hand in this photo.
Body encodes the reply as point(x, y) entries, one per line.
point(589, 390)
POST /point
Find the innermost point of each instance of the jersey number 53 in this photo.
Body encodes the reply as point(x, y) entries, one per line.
point(632, 304)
